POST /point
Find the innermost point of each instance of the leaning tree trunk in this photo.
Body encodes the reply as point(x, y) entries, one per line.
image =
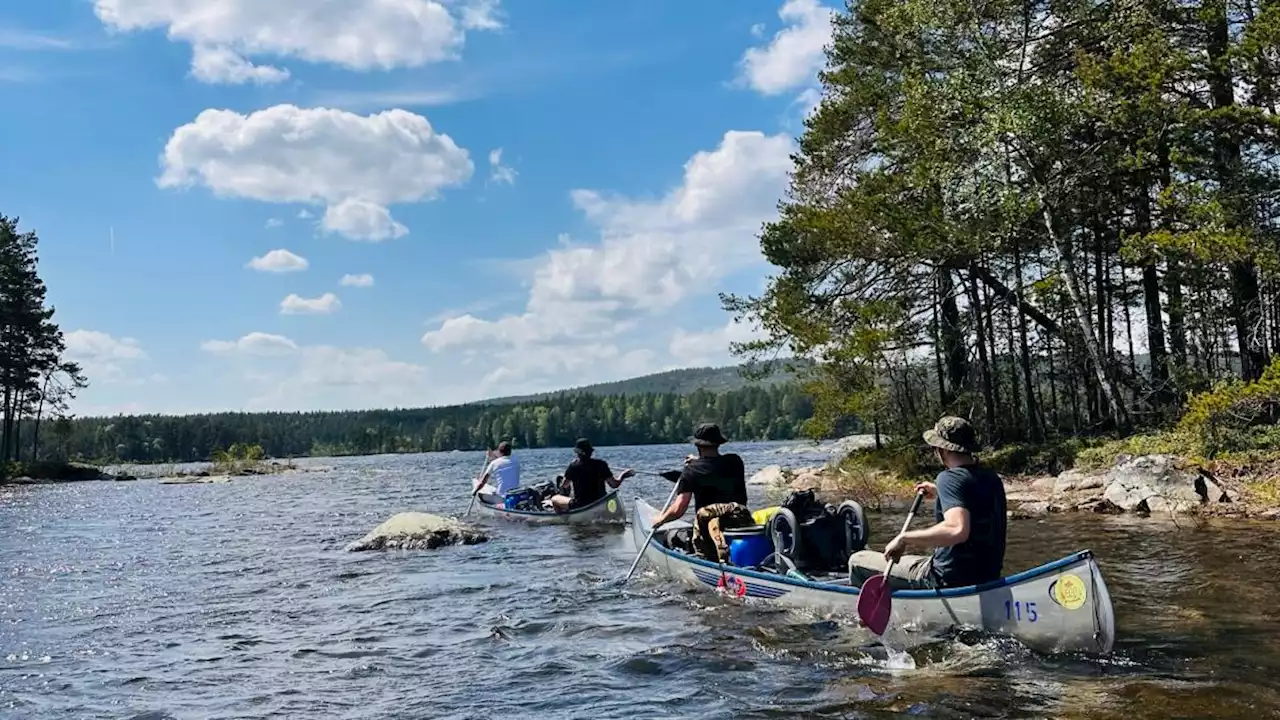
point(1080, 307)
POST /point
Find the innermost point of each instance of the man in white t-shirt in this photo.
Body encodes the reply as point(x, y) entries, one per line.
point(502, 474)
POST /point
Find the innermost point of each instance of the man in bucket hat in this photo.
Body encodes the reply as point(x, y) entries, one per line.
point(709, 478)
point(969, 529)
point(586, 477)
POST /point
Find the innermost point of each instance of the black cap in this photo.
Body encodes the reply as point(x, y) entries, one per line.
point(583, 447)
point(708, 435)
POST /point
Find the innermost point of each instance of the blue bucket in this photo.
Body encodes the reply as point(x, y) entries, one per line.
point(748, 547)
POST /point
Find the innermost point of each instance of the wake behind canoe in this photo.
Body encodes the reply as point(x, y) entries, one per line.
point(1061, 606)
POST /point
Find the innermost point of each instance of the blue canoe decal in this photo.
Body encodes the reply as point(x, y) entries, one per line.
point(737, 586)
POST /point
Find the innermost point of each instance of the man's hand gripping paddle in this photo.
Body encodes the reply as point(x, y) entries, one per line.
point(875, 599)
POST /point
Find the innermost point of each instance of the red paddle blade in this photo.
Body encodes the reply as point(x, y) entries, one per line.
point(875, 604)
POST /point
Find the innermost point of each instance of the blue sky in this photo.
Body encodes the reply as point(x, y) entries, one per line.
point(252, 205)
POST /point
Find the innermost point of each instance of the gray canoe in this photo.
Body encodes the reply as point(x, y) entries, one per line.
point(1061, 606)
point(606, 510)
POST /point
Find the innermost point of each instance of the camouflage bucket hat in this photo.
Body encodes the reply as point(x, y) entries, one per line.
point(954, 434)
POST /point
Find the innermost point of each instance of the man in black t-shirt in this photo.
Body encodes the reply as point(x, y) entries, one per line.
point(709, 478)
point(586, 478)
point(969, 522)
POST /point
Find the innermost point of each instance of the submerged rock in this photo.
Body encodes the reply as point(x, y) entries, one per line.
point(417, 531)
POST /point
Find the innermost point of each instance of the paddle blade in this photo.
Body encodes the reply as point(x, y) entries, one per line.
point(670, 475)
point(875, 604)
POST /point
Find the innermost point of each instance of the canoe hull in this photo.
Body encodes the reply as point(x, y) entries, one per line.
point(608, 510)
point(1062, 606)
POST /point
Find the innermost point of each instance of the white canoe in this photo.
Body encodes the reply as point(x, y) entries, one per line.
point(1062, 606)
point(608, 509)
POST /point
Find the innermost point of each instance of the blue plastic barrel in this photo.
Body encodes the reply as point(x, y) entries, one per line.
point(748, 547)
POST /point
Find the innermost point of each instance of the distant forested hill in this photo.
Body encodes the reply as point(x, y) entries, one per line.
point(678, 382)
point(657, 408)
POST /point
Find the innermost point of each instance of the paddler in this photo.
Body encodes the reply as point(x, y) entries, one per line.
point(968, 533)
point(501, 475)
point(716, 485)
point(585, 479)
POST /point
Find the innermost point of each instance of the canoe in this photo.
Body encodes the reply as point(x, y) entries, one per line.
point(608, 509)
point(1061, 606)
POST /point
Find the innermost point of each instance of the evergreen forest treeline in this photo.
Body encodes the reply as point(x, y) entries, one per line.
point(769, 412)
point(1055, 218)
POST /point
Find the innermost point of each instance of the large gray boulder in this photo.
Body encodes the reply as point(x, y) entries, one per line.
point(772, 475)
point(1073, 480)
point(417, 531)
point(1158, 484)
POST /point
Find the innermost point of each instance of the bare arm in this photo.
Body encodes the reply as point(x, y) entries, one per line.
point(675, 511)
point(616, 480)
point(953, 530)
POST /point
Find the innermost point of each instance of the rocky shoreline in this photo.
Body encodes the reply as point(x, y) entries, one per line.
point(1147, 485)
point(86, 473)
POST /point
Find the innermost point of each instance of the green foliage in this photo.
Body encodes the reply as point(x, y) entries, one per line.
point(758, 412)
point(1235, 416)
point(239, 459)
point(993, 203)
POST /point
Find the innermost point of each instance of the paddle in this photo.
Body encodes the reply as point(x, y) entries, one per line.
point(476, 492)
point(652, 530)
point(875, 599)
point(668, 475)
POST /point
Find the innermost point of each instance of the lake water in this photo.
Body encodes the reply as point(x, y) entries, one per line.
point(141, 600)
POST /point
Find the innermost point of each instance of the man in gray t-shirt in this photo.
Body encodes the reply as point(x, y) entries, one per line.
point(969, 528)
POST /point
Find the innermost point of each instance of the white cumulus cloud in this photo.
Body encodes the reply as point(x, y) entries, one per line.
point(498, 172)
point(355, 165)
point(104, 357)
point(795, 54)
point(222, 65)
point(362, 220)
point(359, 281)
point(273, 223)
point(354, 34)
point(651, 255)
point(711, 347)
point(255, 343)
point(279, 261)
point(295, 304)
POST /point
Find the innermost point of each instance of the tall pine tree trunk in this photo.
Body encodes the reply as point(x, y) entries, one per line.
point(1246, 307)
point(988, 396)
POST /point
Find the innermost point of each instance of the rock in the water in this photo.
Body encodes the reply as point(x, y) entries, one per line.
point(417, 531)
point(1042, 485)
point(1154, 483)
point(772, 475)
point(1076, 480)
point(1030, 510)
point(808, 478)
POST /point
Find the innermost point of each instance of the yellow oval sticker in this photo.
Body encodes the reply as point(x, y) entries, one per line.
point(613, 505)
point(1069, 592)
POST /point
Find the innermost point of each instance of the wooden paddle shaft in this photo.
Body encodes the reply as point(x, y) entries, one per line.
point(905, 526)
